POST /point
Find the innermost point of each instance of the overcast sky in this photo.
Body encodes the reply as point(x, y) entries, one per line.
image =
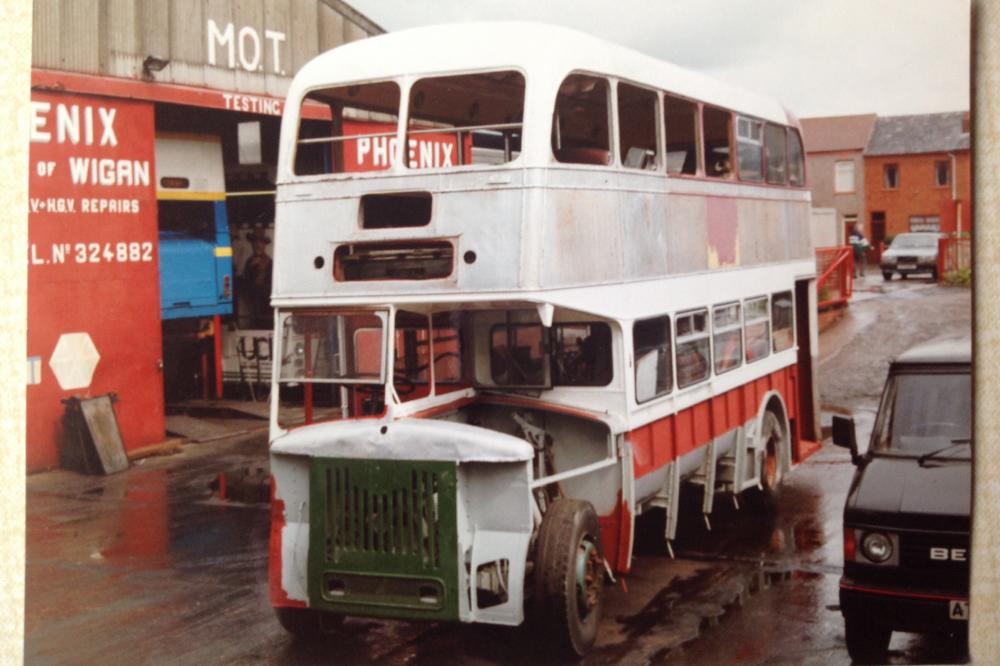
point(817, 57)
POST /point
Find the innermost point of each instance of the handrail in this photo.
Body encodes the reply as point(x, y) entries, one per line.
point(838, 276)
point(431, 130)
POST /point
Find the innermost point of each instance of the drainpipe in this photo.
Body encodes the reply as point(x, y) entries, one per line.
point(954, 194)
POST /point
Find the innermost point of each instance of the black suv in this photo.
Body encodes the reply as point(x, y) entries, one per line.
point(906, 521)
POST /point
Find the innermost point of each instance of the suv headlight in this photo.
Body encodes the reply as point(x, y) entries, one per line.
point(877, 547)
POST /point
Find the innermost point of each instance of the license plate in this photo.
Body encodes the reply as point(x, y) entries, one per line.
point(908, 267)
point(958, 610)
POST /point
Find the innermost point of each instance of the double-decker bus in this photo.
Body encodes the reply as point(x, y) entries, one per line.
point(522, 295)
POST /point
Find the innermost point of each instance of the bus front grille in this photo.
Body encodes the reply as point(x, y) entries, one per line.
point(395, 518)
point(383, 537)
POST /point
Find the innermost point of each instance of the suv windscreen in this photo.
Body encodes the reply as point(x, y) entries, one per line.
point(923, 413)
point(907, 242)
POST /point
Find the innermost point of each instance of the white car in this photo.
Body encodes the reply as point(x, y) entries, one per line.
point(915, 252)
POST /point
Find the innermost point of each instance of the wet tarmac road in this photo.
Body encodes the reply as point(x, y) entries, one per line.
point(150, 566)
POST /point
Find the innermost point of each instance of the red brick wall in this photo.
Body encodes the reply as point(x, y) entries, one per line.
point(918, 193)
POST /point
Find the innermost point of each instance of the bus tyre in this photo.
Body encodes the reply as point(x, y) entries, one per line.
point(867, 642)
point(773, 435)
point(569, 577)
point(306, 623)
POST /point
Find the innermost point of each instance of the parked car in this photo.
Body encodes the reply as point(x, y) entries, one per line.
point(906, 520)
point(910, 253)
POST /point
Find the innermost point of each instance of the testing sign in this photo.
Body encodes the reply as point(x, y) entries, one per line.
point(92, 261)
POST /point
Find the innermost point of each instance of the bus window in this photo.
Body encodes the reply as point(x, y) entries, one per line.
point(348, 128)
point(727, 338)
point(782, 320)
point(411, 365)
point(693, 354)
point(319, 347)
point(581, 354)
point(756, 329)
point(749, 143)
point(464, 120)
point(447, 351)
point(775, 147)
point(637, 127)
point(653, 360)
point(580, 126)
point(517, 355)
point(718, 152)
point(796, 168)
point(681, 120)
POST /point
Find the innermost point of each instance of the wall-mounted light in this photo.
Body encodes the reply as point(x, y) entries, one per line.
point(153, 64)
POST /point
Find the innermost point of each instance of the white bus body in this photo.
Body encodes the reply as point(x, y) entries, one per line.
point(546, 286)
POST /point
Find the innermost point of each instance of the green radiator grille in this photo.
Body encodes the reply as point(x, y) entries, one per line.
point(383, 537)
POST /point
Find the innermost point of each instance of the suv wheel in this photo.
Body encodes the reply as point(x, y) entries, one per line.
point(867, 642)
point(887, 275)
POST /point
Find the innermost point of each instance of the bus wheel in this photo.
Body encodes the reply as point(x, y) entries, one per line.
point(569, 577)
point(773, 435)
point(306, 623)
point(866, 642)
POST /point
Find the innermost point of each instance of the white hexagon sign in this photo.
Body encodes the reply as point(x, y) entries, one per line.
point(74, 360)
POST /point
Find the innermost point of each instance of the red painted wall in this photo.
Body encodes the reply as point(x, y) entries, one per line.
point(92, 262)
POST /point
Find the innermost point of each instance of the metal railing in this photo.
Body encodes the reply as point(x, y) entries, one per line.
point(835, 266)
point(954, 254)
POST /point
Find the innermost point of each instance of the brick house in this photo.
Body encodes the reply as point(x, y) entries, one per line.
point(834, 158)
point(917, 175)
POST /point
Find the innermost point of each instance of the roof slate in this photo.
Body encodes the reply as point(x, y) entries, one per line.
point(836, 133)
point(924, 133)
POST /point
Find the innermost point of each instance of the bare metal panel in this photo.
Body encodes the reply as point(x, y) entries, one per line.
point(331, 30)
point(45, 34)
point(80, 35)
point(353, 32)
point(123, 38)
point(303, 24)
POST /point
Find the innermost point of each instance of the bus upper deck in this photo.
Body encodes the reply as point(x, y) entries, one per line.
point(443, 180)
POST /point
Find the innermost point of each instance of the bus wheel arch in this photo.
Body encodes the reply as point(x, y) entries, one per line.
point(774, 441)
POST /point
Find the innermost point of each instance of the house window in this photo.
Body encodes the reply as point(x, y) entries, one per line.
point(925, 223)
point(890, 176)
point(942, 174)
point(843, 177)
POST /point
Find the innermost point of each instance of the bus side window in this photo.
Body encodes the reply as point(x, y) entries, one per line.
point(727, 337)
point(581, 354)
point(718, 149)
point(653, 360)
point(694, 358)
point(775, 150)
point(749, 143)
point(681, 120)
point(637, 127)
point(580, 125)
point(756, 329)
point(782, 316)
point(796, 166)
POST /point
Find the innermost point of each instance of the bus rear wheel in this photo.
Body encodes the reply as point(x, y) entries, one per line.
point(569, 577)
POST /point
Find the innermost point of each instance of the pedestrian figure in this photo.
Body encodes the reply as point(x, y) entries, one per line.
point(859, 243)
point(257, 273)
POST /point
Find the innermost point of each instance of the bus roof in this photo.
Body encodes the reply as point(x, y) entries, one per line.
point(536, 48)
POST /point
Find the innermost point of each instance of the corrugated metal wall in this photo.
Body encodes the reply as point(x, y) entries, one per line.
point(252, 46)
